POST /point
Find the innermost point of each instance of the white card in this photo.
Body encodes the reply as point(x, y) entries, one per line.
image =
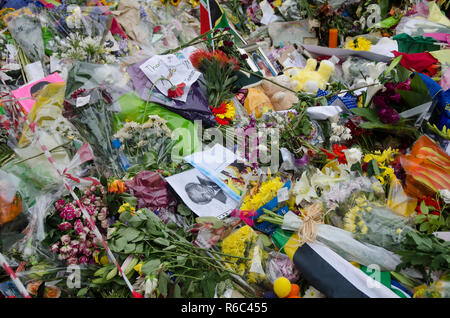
point(283, 194)
point(175, 67)
point(34, 71)
point(83, 100)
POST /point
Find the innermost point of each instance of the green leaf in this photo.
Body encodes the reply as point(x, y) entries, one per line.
point(424, 227)
point(129, 233)
point(423, 207)
point(163, 281)
point(367, 113)
point(177, 291)
point(104, 181)
point(418, 94)
point(120, 243)
point(161, 241)
point(149, 159)
point(82, 292)
point(150, 266)
point(129, 248)
point(393, 64)
point(420, 218)
point(183, 210)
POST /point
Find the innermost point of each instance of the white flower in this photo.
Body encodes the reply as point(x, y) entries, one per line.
point(303, 190)
point(353, 155)
point(445, 195)
point(311, 292)
point(324, 180)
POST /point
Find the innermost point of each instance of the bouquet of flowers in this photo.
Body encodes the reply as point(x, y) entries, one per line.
point(94, 122)
point(138, 140)
point(244, 243)
point(219, 72)
point(71, 236)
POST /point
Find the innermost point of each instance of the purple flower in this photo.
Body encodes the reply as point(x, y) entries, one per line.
point(303, 161)
point(405, 86)
point(65, 226)
point(380, 101)
point(396, 98)
point(388, 115)
point(65, 239)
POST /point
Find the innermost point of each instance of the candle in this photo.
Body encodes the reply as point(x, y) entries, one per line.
point(333, 37)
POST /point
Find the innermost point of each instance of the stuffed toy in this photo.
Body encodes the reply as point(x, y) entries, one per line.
point(308, 79)
point(282, 99)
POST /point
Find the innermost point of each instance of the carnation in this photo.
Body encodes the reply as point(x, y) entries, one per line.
point(72, 261)
point(83, 260)
point(55, 248)
point(65, 239)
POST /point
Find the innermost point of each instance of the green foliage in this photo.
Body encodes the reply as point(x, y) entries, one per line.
point(424, 252)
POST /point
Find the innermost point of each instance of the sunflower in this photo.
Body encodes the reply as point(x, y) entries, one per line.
point(175, 2)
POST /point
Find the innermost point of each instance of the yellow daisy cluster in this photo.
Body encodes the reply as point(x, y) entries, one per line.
point(230, 113)
point(267, 191)
point(242, 243)
point(352, 219)
point(359, 44)
point(383, 159)
point(126, 207)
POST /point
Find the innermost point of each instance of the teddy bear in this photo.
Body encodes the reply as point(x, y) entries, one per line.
point(281, 99)
point(308, 79)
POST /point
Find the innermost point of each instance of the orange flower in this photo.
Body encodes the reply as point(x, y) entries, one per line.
point(117, 186)
point(198, 56)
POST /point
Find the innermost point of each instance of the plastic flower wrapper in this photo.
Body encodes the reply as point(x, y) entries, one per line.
point(344, 243)
point(47, 279)
point(376, 224)
point(211, 231)
point(438, 289)
point(150, 139)
point(280, 265)
point(427, 168)
point(340, 196)
point(69, 235)
point(26, 30)
point(94, 122)
point(152, 192)
point(244, 242)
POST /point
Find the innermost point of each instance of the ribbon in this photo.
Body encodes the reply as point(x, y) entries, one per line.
point(312, 218)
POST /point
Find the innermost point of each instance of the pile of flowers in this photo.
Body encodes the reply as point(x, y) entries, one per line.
point(75, 241)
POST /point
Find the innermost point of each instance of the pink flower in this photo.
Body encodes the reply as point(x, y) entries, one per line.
point(72, 261)
point(101, 216)
point(78, 212)
point(87, 252)
point(82, 237)
point(62, 256)
point(78, 226)
point(60, 204)
point(105, 224)
point(65, 226)
point(244, 215)
point(55, 248)
point(74, 252)
point(83, 260)
point(66, 249)
point(65, 239)
point(75, 244)
point(88, 192)
point(86, 230)
point(93, 188)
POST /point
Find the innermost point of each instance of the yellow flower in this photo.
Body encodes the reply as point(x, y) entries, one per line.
point(267, 191)
point(364, 230)
point(126, 207)
point(175, 2)
point(138, 268)
point(399, 231)
point(359, 44)
point(277, 3)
